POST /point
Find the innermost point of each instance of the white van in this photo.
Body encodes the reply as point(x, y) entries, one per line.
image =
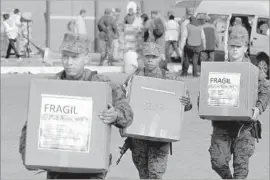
point(255, 15)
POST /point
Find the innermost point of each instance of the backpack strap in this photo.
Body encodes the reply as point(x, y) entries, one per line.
point(163, 74)
point(92, 73)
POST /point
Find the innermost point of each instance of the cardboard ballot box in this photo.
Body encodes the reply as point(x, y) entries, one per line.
point(228, 90)
point(158, 112)
point(64, 132)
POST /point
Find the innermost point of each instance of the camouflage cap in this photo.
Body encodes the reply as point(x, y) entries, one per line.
point(151, 49)
point(238, 36)
point(75, 43)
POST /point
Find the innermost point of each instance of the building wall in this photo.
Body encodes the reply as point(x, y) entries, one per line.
point(63, 10)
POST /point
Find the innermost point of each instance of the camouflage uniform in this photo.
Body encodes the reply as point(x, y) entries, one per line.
point(124, 116)
point(150, 157)
point(236, 137)
point(108, 31)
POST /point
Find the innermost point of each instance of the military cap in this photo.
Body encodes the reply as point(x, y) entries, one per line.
point(238, 36)
point(151, 49)
point(75, 43)
point(108, 11)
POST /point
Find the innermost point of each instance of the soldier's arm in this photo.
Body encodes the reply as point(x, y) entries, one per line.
point(120, 103)
point(178, 78)
point(23, 142)
point(114, 27)
point(101, 25)
point(263, 95)
point(188, 107)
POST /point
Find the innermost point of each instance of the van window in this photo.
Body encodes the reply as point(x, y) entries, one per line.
point(200, 15)
point(220, 22)
point(263, 25)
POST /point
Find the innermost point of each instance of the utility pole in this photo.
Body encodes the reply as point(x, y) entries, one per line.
point(48, 22)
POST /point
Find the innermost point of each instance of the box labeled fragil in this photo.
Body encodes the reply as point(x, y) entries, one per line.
point(158, 112)
point(64, 132)
point(228, 90)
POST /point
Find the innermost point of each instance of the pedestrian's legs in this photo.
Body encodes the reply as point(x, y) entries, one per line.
point(185, 66)
point(140, 157)
point(110, 52)
point(157, 162)
point(175, 48)
point(13, 46)
point(220, 152)
point(8, 50)
point(167, 50)
point(103, 51)
point(195, 59)
point(243, 149)
point(211, 55)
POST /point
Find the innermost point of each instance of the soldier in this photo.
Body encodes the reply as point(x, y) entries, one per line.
point(238, 137)
point(74, 57)
point(149, 157)
point(108, 31)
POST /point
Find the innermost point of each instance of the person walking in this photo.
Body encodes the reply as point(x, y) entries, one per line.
point(80, 23)
point(171, 37)
point(130, 17)
point(208, 54)
point(107, 32)
point(11, 31)
point(192, 43)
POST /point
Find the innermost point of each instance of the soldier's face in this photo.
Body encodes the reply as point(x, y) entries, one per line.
point(73, 63)
point(236, 53)
point(151, 62)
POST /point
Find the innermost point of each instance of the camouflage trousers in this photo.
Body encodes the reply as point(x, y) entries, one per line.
point(225, 143)
point(150, 158)
point(106, 50)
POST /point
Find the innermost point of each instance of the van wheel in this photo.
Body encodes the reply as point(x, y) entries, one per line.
point(262, 65)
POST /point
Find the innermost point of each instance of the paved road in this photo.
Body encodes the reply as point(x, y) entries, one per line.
point(190, 159)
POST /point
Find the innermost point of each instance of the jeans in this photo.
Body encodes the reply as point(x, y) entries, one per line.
point(191, 53)
point(11, 45)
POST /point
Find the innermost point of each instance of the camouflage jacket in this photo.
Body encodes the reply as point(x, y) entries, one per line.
point(161, 74)
point(124, 112)
point(107, 28)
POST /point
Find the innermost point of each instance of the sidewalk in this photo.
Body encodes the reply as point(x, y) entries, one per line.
point(35, 65)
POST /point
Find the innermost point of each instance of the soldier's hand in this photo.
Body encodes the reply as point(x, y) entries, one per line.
point(256, 113)
point(185, 100)
point(108, 116)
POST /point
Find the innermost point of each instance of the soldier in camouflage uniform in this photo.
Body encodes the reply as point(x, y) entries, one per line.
point(150, 157)
point(74, 57)
point(238, 137)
